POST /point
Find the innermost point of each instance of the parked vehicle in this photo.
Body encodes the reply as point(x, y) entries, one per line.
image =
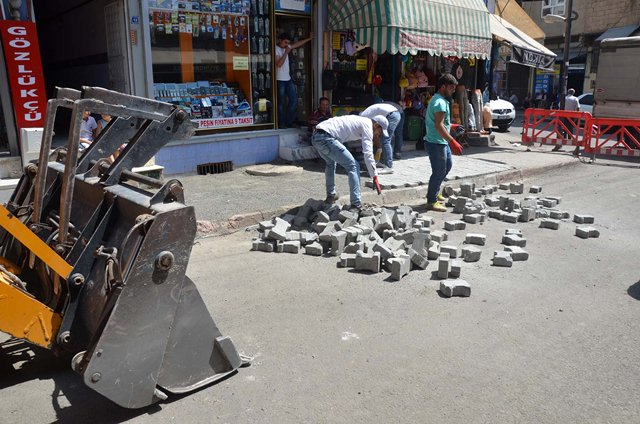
point(617, 81)
point(586, 102)
point(503, 113)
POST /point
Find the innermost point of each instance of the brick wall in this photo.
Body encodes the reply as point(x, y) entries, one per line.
point(601, 15)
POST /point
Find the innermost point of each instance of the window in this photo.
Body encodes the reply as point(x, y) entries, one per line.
point(552, 7)
point(204, 55)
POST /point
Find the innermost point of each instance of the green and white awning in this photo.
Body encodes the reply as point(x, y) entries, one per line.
point(441, 27)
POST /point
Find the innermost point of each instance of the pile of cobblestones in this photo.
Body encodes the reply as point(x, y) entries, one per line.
point(400, 240)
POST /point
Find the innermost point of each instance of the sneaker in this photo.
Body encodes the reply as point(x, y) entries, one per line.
point(385, 171)
point(436, 206)
point(332, 198)
point(440, 198)
point(355, 208)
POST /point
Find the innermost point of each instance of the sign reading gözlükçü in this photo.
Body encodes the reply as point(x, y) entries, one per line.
point(22, 57)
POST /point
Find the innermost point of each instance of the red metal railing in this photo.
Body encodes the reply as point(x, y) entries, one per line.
point(555, 127)
point(613, 136)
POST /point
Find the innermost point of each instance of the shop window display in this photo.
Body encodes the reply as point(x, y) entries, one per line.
point(212, 58)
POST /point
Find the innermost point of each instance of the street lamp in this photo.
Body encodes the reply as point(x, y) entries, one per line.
point(570, 16)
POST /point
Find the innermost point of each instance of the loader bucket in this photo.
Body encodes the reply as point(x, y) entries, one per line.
point(93, 257)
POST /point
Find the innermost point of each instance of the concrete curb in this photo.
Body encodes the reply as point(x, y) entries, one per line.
point(388, 197)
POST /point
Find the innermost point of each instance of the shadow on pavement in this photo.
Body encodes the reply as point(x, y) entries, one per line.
point(634, 290)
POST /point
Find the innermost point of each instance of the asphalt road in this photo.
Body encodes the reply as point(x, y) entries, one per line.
point(551, 340)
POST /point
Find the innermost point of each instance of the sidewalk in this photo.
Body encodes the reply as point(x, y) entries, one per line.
point(234, 200)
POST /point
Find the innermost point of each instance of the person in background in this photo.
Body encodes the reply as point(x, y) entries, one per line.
point(394, 116)
point(439, 143)
point(398, 133)
point(322, 113)
point(286, 87)
point(526, 103)
point(102, 123)
point(571, 103)
point(328, 139)
point(88, 128)
point(513, 98)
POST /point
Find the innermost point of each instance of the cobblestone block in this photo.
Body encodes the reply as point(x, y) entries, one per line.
point(394, 244)
point(313, 249)
point(448, 190)
point(473, 218)
point(549, 223)
point(474, 238)
point(420, 242)
point(548, 203)
point(353, 247)
point(558, 199)
point(279, 230)
point(444, 265)
point(418, 260)
point(388, 233)
point(514, 240)
point(517, 253)
point(291, 246)
point(426, 217)
point(439, 236)
point(460, 203)
point(542, 213)
point(265, 225)
point(384, 222)
point(466, 189)
point(516, 188)
point(434, 251)
point(496, 214)
point(470, 254)
point(451, 201)
point(333, 211)
point(587, 232)
point(319, 227)
point(455, 269)
point(347, 260)
point(535, 189)
point(368, 221)
point(513, 231)
point(321, 216)
point(511, 217)
point(307, 237)
point(352, 234)
point(338, 241)
point(502, 258)
point(400, 266)
point(527, 214)
point(456, 287)
point(504, 186)
point(492, 201)
point(452, 251)
point(407, 235)
point(367, 261)
point(345, 215)
point(384, 252)
point(529, 202)
point(293, 235)
point(454, 225)
point(278, 247)
point(583, 219)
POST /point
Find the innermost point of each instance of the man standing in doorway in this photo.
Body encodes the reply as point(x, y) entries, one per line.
point(438, 142)
point(571, 103)
point(286, 87)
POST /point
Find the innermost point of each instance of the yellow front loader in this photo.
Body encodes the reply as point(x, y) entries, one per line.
point(93, 257)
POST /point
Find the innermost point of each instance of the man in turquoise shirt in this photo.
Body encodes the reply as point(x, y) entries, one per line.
point(438, 142)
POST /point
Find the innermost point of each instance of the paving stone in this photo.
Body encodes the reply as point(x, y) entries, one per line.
point(321, 216)
point(454, 225)
point(367, 261)
point(444, 265)
point(388, 234)
point(514, 240)
point(474, 238)
point(460, 204)
point(368, 221)
point(313, 249)
point(319, 227)
point(497, 214)
point(278, 247)
point(307, 237)
point(511, 217)
point(456, 287)
point(583, 219)
point(330, 228)
point(383, 251)
point(279, 230)
point(265, 225)
point(347, 260)
point(353, 247)
point(407, 235)
point(473, 218)
point(338, 241)
point(527, 214)
point(384, 221)
point(400, 266)
point(352, 234)
point(492, 201)
point(587, 232)
point(293, 235)
point(513, 231)
point(439, 236)
point(345, 215)
point(549, 223)
point(529, 202)
point(291, 246)
point(417, 259)
point(549, 203)
point(517, 253)
point(502, 258)
point(470, 254)
point(451, 201)
point(455, 269)
point(452, 251)
point(426, 217)
point(263, 245)
point(394, 244)
point(542, 213)
point(535, 189)
point(434, 251)
point(516, 188)
point(420, 242)
point(558, 199)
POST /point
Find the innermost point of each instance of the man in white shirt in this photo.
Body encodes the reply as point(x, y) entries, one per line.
point(286, 87)
point(328, 140)
point(88, 128)
point(571, 103)
point(394, 116)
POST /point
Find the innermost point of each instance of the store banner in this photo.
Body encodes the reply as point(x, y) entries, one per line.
point(531, 58)
point(24, 67)
point(223, 122)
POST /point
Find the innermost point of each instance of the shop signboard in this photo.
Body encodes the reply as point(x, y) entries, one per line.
point(300, 6)
point(24, 68)
point(214, 123)
point(531, 58)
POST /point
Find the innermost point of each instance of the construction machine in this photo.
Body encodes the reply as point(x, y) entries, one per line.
point(93, 256)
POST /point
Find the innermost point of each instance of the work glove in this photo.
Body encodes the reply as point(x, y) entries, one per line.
point(456, 148)
point(376, 185)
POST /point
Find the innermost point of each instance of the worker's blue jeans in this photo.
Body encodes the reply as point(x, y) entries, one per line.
point(394, 119)
point(288, 89)
point(334, 152)
point(441, 163)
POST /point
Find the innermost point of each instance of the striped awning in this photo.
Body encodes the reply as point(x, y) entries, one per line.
point(441, 27)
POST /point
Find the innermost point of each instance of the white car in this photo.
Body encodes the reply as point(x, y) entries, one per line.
point(586, 102)
point(503, 113)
